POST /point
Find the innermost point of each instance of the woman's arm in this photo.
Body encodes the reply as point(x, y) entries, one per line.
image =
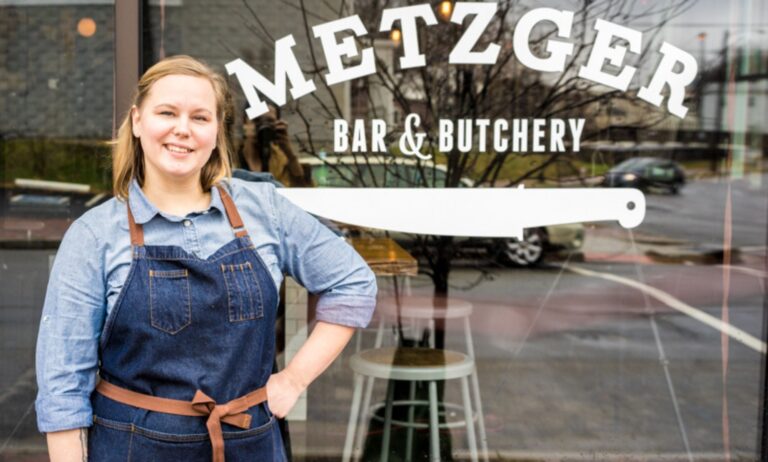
point(67, 343)
point(325, 265)
point(324, 344)
point(68, 445)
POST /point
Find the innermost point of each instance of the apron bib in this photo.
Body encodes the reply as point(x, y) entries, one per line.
point(185, 327)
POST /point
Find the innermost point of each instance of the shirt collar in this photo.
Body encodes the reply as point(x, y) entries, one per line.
point(143, 210)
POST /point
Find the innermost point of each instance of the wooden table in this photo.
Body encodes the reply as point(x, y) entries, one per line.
point(385, 256)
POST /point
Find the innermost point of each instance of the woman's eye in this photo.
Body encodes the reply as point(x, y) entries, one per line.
point(166, 113)
point(201, 118)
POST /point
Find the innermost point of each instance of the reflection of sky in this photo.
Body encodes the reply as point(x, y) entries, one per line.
point(747, 19)
point(746, 22)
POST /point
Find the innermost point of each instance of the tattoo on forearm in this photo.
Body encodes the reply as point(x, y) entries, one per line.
point(84, 443)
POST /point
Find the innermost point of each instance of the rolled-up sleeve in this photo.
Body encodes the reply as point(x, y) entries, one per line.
point(67, 343)
point(326, 265)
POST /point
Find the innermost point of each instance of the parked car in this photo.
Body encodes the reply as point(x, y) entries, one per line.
point(645, 173)
point(400, 172)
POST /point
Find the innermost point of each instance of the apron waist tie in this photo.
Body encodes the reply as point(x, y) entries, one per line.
point(232, 412)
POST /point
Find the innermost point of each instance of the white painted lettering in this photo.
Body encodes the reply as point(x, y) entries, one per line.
point(378, 130)
point(445, 138)
point(407, 15)
point(462, 53)
point(340, 133)
point(558, 51)
point(677, 81)
point(519, 135)
point(577, 127)
point(556, 134)
point(482, 126)
point(464, 135)
point(286, 68)
point(602, 51)
point(335, 51)
point(500, 144)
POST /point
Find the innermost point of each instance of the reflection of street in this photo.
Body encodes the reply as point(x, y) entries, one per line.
point(697, 213)
point(23, 278)
point(569, 365)
point(621, 356)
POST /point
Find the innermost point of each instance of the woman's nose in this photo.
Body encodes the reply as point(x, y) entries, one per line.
point(182, 126)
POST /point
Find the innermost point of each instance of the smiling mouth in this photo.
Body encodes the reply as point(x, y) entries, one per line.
point(177, 149)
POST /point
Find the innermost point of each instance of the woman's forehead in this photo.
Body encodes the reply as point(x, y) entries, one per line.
point(183, 91)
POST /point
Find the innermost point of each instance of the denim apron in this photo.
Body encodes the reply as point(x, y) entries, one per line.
point(181, 325)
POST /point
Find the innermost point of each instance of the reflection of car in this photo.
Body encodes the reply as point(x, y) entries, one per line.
point(646, 172)
point(394, 172)
point(537, 242)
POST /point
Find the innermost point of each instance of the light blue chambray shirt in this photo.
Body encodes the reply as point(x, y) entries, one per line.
point(94, 258)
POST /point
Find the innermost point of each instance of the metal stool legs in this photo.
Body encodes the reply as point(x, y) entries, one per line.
point(434, 435)
point(413, 365)
point(476, 392)
point(353, 416)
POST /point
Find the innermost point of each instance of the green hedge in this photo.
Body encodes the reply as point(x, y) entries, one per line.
point(68, 160)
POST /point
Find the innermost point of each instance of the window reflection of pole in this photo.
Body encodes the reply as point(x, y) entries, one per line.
point(719, 139)
point(702, 38)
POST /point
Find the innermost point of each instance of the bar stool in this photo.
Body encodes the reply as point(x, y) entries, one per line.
point(411, 365)
point(420, 309)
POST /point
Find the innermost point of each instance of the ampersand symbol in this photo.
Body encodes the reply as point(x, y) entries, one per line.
point(410, 142)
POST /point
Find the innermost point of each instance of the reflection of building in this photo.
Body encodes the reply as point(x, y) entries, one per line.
point(58, 82)
point(55, 81)
point(734, 98)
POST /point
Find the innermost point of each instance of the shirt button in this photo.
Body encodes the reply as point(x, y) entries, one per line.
point(187, 223)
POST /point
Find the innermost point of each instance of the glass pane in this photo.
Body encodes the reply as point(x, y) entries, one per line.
point(56, 95)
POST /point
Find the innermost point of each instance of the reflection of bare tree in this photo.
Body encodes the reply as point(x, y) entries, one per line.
point(505, 89)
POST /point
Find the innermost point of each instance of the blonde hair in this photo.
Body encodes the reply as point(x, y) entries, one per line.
point(127, 155)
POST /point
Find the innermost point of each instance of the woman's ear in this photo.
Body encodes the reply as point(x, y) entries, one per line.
point(135, 119)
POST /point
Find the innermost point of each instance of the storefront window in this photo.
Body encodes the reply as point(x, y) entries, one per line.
point(56, 92)
point(584, 340)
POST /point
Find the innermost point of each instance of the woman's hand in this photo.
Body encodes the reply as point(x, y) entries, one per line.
point(281, 131)
point(283, 390)
point(323, 346)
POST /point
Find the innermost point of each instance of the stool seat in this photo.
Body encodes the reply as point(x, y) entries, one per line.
point(419, 364)
point(416, 365)
point(417, 307)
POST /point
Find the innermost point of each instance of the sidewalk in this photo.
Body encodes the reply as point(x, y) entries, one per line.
point(608, 243)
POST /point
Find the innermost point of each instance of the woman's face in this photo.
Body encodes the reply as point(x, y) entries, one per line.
point(177, 127)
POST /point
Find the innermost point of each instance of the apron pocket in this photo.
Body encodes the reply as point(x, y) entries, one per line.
point(243, 292)
point(170, 304)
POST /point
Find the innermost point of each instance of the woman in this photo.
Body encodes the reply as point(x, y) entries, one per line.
point(169, 291)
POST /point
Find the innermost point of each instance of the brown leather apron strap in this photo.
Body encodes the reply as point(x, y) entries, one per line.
point(232, 214)
point(232, 412)
point(137, 231)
